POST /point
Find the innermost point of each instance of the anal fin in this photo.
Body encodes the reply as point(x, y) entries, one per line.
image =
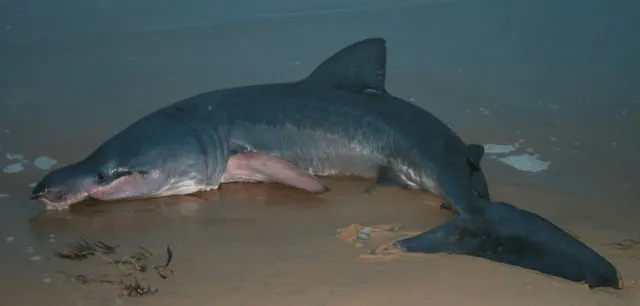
point(474, 153)
point(260, 167)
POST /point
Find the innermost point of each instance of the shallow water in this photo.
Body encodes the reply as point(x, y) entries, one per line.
point(556, 81)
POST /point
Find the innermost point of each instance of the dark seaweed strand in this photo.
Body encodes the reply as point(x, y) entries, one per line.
point(161, 269)
point(82, 249)
point(169, 256)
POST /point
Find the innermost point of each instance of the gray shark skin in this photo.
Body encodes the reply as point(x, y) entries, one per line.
point(338, 121)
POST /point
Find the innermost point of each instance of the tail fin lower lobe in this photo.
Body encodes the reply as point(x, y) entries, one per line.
point(507, 234)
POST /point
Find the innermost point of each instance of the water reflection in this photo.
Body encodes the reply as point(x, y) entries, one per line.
point(233, 204)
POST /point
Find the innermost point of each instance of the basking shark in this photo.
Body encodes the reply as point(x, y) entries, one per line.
point(338, 121)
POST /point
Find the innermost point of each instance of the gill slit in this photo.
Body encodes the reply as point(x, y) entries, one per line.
point(199, 140)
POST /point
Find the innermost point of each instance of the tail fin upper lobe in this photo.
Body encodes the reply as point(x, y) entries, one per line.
point(507, 234)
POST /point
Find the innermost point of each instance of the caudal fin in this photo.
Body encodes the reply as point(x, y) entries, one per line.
point(510, 235)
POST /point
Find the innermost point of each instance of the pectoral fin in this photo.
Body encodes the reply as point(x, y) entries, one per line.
point(260, 167)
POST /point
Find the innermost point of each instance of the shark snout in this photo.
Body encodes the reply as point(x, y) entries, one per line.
point(61, 188)
point(39, 191)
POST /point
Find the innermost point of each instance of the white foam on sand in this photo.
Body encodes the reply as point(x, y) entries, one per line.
point(499, 149)
point(13, 168)
point(526, 162)
point(44, 162)
point(19, 157)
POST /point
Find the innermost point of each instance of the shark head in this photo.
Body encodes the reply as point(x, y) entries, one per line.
point(155, 156)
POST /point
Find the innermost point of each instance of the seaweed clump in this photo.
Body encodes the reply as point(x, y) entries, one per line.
point(83, 249)
point(132, 268)
point(136, 288)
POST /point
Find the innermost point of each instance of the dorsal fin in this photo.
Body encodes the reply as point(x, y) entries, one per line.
point(359, 67)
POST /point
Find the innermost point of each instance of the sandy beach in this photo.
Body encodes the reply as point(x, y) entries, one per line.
point(549, 87)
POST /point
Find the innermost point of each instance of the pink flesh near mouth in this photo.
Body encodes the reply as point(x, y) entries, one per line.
point(64, 204)
point(118, 189)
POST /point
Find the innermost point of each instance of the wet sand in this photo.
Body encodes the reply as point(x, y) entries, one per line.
point(559, 80)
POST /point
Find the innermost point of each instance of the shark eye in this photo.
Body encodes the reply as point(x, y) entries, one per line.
point(100, 177)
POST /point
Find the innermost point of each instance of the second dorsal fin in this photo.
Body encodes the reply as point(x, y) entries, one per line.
point(358, 67)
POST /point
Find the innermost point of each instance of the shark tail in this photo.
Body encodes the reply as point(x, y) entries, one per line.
point(507, 234)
